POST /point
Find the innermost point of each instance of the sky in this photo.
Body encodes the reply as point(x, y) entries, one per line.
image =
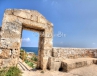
point(75, 21)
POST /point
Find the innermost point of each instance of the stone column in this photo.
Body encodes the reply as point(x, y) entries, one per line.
point(45, 48)
point(11, 41)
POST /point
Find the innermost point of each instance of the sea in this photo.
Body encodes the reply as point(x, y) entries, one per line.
point(31, 49)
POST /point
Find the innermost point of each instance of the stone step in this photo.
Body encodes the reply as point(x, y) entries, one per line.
point(25, 65)
point(70, 64)
point(22, 66)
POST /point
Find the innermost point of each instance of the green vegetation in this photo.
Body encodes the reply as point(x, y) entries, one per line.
point(12, 71)
point(23, 54)
point(3, 72)
point(34, 58)
point(30, 64)
point(30, 61)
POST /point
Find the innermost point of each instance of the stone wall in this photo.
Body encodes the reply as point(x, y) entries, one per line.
point(10, 43)
point(72, 53)
point(14, 21)
point(59, 55)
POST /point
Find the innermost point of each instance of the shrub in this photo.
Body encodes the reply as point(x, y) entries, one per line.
point(26, 61)
point(13, 71)
point(3, 72)
point(34, 59)
point(30, 64)
point(23, 54)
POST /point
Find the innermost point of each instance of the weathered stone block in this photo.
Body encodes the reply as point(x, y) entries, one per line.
point(44, 63)
point(9, 18)
point(70, 64)
point(42, 20)
point(34, 18)
point(10, 43)
point(45, 43)
point(9, 12)
point(4, 54)
point(22, 13)
point(14, 22)
point(54, 63)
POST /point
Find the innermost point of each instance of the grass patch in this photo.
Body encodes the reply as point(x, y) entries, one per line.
point(12, 71)
point(34, 59)
point(3, 72)
point(29, 63)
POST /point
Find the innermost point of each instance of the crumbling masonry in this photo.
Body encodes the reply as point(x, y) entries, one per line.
point(15, 21)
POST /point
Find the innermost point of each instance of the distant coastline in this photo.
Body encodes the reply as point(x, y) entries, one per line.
point(31, 49)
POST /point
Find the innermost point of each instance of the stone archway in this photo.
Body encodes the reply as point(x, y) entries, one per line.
point(14, 22)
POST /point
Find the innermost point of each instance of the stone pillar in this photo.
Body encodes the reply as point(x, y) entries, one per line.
point(11, 41)
point(45, 48)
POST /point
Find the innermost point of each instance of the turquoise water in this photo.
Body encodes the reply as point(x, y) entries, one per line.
point(31, 49)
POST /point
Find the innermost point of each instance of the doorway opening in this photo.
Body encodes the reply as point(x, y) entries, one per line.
point(29, 48)
point(17, 20)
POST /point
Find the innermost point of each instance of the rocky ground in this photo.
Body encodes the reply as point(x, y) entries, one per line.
point(83, 71)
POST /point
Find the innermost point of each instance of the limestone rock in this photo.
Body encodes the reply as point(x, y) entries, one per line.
point(54, 64)
point(14, 21)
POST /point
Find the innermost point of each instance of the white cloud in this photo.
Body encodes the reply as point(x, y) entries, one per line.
point(93, 43)
point(26, 39)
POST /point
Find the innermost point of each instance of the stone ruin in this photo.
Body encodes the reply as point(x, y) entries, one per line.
point(16, 20)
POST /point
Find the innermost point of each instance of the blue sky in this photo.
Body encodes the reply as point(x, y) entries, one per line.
point(75, 19)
